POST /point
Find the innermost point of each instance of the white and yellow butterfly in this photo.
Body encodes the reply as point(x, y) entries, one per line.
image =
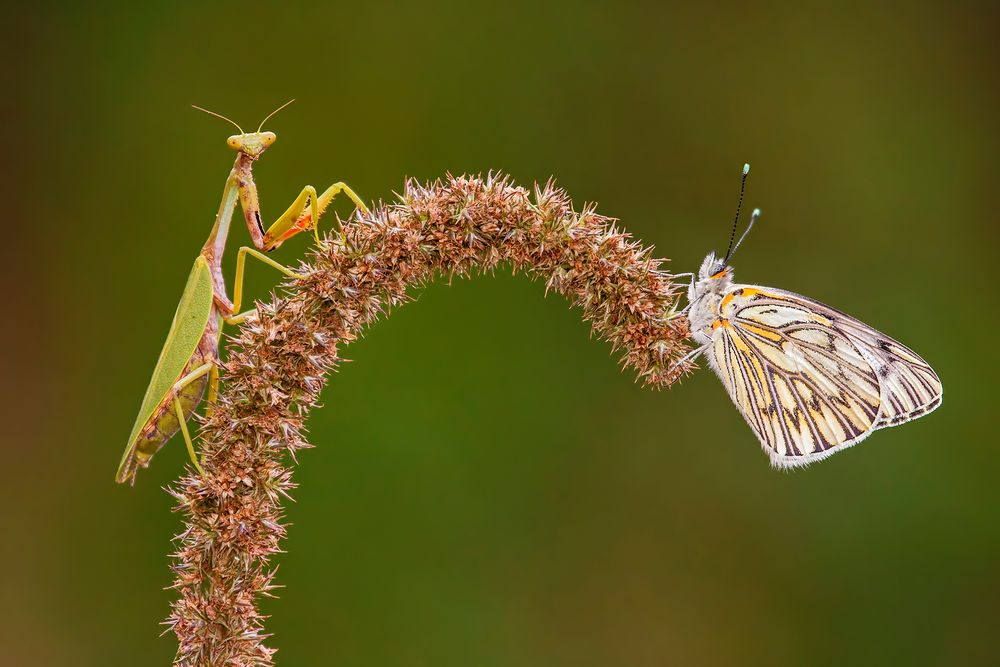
point(809, 379)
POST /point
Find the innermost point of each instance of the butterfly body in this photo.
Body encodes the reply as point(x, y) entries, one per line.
point(809, 379)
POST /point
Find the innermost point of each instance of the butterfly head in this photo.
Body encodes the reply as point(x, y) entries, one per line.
point(714, 275)
point(718, 270)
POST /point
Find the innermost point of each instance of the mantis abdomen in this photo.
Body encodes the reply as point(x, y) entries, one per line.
point(164, 423)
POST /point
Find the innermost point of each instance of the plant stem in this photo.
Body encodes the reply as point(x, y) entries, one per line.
point(279, 362)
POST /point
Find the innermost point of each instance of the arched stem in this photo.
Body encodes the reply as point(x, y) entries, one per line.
point(279, 363)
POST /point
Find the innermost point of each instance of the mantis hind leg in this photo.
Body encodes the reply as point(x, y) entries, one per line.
point(213, 388)
point(297, 219)
point(179, 409)
point(209, 367)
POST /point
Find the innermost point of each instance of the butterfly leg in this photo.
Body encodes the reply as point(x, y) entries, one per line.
point(690, 286)
point(688, 358)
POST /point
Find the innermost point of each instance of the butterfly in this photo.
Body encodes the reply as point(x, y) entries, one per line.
point(809, 379)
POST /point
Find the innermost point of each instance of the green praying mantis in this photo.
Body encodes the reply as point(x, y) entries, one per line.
point(189, 361)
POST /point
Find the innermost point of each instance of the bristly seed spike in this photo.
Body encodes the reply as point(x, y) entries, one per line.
point(276, 366)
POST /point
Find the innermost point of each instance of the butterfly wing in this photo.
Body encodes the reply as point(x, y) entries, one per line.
point(811, 380)
point(909, 386)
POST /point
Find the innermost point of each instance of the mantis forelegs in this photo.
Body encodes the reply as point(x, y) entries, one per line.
point(295, 219)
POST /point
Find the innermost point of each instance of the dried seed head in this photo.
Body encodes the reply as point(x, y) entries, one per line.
point(278, 364)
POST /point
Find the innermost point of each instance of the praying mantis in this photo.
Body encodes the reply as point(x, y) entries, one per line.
point(189, 361)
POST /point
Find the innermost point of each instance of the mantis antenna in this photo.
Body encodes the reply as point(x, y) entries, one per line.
point(219, 115)
point(268, 117)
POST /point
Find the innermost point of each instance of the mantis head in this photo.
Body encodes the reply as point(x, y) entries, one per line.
point(251, 144)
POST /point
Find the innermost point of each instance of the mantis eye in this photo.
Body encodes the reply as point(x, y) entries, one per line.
point(235, 142)
point(268, 138)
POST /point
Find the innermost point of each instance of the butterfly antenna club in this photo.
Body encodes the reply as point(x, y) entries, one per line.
point(753, 219)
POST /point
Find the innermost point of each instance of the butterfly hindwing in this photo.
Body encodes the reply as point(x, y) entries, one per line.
point(810, 380)
point(909, 386)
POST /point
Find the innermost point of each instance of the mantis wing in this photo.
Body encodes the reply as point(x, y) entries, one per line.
point(186, 331)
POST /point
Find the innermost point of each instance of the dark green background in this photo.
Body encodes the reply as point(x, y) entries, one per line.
point(488, 488)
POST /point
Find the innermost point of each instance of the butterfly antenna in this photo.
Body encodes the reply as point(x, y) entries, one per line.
point(268, 117)
point(218, 115)
point(753, 219)
point(736, 220)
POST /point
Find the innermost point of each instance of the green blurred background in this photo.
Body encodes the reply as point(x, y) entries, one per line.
point(488, 487)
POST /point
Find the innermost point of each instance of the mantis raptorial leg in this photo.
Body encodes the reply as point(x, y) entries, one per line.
point(288, 225)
